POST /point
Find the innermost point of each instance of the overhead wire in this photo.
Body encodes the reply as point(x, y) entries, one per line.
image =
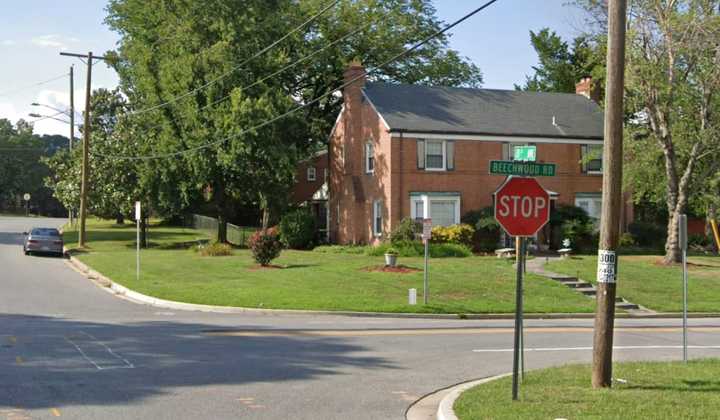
point(313, 101)
point(44, 82)
point(239, 66)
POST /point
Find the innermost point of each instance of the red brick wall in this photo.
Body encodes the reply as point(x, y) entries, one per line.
point(303, 189)
point(471, 175)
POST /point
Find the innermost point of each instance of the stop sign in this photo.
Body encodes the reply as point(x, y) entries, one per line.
point(522, 206)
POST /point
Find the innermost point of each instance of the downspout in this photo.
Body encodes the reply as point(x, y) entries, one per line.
point(400, 181)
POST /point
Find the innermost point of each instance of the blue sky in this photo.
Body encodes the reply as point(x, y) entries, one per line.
point(33, 32)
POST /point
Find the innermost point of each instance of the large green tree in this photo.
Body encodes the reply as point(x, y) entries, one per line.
point(561, 66)
point(169, 48)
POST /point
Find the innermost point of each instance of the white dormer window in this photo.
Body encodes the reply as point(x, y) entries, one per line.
point(369, 158)
point(311, 175)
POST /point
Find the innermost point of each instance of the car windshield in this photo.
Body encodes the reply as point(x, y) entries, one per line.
point(45, 232)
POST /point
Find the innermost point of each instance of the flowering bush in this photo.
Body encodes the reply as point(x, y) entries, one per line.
point(461, 234)
point(265, 246)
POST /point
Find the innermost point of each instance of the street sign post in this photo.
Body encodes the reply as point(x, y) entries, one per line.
point(26, 197)
point(511, 167)
point(138, 215)
point(682, 227)
point(522, 208)
point(525, 153)
point(426, 235)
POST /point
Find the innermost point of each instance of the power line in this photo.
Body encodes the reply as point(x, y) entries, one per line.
point(315, 100)
point(11, 92)
point(282, 70)
point(239, 66)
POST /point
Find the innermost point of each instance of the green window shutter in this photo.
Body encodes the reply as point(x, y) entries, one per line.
point(450, 155)
point(583, 157)
point(421, 154)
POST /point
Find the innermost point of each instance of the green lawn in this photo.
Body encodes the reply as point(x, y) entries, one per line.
point(654, 390)
point(313, 280)
point(643, 281)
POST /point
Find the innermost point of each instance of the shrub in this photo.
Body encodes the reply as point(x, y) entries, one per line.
point(627, 240)
point(214, 249)
point(648, 234)
point(487, 229)
point(297, 229)
point(391, 251)
point(461, 234)
point(265, 246)
point(406, 230)
point(697, 241)
point(417, 249)
point(581, 234)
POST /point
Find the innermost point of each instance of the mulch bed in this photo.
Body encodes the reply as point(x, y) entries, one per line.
point(402, 269)
point(267, 267)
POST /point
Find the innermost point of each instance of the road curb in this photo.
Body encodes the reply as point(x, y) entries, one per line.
point(445, 409)
point(121, 291)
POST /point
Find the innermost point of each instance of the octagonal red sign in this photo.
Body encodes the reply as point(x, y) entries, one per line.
point(522, 206)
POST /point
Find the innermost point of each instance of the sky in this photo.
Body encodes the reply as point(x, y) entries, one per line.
point(34, 32)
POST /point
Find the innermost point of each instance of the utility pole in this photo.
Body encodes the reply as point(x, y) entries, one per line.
point(72, 128)
point(86, 143)
point(612, 197)
point(72, 107)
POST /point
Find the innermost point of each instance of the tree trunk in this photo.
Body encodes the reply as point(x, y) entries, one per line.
point(672, 245)
point(143, 232)
point(265, 208)
point(222, 228)
point(119, 219)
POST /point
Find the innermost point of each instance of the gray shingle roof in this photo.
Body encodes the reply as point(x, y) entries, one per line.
point(446, 110)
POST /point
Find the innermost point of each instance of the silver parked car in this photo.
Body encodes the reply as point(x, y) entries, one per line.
point(43, 240)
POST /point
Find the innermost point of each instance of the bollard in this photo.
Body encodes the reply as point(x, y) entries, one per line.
point(412, 296)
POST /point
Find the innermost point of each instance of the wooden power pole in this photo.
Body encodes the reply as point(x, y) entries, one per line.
point(72, 107)
point(86, 143)
point(611, 198)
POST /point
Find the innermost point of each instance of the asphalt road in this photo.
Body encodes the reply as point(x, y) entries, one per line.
point(69, 349)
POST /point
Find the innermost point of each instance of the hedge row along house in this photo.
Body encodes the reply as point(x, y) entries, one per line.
point(399, 151)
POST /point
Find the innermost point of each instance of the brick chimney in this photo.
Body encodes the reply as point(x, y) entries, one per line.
point(352, 92)
point(587, 88)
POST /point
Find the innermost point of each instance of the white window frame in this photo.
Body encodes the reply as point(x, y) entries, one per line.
point(369, 154)
point(426, 199)
point(311, 174)
point(444, 155)
point(377, 214)
point(585, 163)
point(594, 202)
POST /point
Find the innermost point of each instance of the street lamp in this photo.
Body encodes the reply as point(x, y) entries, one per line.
point(45, 117)
point(66, 112)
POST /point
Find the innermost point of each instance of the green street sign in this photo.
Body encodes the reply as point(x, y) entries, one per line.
point(509, 167)
point(525, 153)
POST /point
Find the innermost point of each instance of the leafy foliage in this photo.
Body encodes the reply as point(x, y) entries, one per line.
point(215, 249)
point(461, 234)
point(407, 230)
point(297, 229)
point(487, 229)
point(265, 246)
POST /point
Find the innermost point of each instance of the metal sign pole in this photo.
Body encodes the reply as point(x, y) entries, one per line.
point(137, 257)
point(426, 285)
point(683, 244)
point(518, 323)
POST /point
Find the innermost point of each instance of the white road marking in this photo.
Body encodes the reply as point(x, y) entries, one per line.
point(126, 365)
point(590, 348)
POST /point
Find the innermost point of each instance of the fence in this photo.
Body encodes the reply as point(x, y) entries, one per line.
point(236, 235)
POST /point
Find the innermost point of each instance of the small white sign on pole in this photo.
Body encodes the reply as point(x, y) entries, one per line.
point(26, 197)
point(606, 266)
point(427, 229)
point(137, 211)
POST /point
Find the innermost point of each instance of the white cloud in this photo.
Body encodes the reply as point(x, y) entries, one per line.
point(8, 111)
point(54, 41)
point(8, 42)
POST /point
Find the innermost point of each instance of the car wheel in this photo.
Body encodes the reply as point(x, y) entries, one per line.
point(26, 252)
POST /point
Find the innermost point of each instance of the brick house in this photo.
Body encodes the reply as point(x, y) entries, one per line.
point(399, 151)
point(311, 189)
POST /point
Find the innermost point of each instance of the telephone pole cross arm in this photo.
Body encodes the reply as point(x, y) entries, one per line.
point(86, 143)
point(611, 199)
